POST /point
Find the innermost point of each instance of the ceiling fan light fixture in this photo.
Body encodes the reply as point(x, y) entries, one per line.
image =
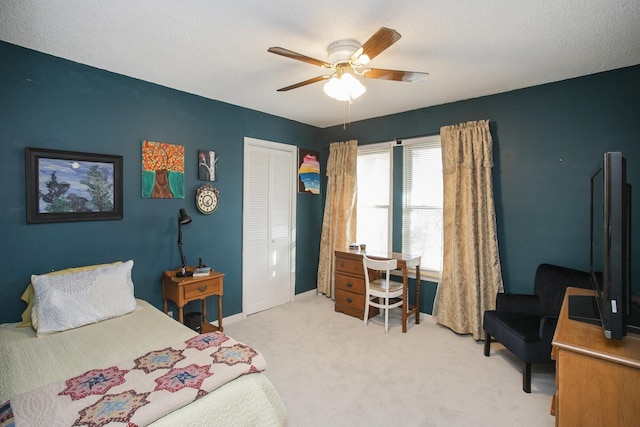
point(344, 88)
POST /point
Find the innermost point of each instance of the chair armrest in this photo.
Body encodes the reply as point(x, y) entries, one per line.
point(548, 327)
point(529, 305)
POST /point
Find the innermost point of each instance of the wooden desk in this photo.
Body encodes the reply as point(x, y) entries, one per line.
point(597, 380)
point(349, 281)
point(181, 290)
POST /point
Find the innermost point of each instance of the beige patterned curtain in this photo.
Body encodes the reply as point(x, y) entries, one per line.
point(339, 222)
point(471, 274)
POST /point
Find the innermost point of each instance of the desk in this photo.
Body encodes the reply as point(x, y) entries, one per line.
point(349, 281)
point(597, 380)
point(181, 290)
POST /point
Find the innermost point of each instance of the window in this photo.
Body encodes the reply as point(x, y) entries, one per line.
point(374, 197)
point(422, 202)
point(417, 192)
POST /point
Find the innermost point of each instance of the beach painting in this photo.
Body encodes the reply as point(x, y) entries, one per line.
point(308, 171)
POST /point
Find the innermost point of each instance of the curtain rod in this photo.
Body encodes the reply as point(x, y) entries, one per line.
point(398, 140)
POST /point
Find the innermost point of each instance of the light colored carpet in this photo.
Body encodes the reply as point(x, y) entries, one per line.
point(332, 371)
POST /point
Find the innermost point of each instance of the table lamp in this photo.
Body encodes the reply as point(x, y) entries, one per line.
point(183, 218)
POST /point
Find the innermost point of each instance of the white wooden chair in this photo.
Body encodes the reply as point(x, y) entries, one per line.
point(383, 292)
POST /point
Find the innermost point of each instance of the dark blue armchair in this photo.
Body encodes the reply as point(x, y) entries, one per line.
point(525, 324)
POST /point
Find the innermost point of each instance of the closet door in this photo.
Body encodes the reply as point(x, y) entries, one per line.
point(268, 224)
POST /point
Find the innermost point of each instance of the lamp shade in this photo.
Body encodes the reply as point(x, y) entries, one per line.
point(183, 218)
point(344, 88)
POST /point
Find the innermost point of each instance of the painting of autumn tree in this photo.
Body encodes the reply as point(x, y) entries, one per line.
point(162, 170)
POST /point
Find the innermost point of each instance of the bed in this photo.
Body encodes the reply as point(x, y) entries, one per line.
point(33, 360)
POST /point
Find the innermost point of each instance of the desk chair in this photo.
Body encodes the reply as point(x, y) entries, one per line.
point(382, 292)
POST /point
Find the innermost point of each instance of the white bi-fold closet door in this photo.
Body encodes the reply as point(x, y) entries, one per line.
point(268, 224)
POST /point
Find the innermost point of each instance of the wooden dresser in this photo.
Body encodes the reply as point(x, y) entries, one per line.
point(350, 286)
point(597, 380)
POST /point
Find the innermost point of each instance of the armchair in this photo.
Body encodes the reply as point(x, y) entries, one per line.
point(525, 324)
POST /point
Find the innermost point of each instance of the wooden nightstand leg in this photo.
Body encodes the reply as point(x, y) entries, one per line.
point(166, 308)
point(220, 328)
point(204, 310)
point(181, 315)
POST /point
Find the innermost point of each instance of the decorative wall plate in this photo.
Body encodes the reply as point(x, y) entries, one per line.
point(207, 198)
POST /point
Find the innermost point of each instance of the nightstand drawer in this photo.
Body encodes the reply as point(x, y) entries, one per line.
point(201, 289)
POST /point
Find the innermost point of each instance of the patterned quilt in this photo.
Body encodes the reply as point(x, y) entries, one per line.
point(137, 392)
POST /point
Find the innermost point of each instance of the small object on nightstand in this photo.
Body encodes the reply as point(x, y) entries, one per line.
point(201, 271)
point(193, 320)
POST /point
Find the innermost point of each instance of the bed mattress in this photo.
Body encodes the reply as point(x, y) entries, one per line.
point(28, 362)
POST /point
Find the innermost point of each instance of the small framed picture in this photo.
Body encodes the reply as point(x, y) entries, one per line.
point(308, 171)
point(207, 165)
point(67, 186)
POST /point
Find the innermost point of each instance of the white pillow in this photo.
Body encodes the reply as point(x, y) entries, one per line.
point(67, 301)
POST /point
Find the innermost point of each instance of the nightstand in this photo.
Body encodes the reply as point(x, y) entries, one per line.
point(181, 290)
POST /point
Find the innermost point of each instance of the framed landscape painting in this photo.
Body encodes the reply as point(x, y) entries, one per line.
point(67, 186)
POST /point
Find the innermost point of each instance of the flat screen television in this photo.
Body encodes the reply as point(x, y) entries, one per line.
point(610, 253)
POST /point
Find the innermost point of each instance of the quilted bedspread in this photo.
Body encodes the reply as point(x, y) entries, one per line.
point(139, 391)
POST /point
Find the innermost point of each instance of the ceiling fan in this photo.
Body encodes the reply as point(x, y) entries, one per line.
point(348, 58)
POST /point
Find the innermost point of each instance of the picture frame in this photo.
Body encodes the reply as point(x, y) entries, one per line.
point(308, 171)
point(65, 186)
point(207, 165)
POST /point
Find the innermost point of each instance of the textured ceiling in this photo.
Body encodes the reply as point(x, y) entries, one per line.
point(218, 49)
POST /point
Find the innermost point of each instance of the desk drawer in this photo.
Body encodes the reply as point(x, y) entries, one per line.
point(350, 283)
point(350, 300)
point(349, 266)
point(201, 289)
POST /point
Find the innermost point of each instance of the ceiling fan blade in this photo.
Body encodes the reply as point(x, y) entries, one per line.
point(381, 40)
point(304, 83)
point(294, 55)
point(400, 76)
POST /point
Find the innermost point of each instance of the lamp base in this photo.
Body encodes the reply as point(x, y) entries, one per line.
point(184, 273)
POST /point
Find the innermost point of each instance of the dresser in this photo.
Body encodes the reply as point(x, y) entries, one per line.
point(597, 380)
point(350, 284)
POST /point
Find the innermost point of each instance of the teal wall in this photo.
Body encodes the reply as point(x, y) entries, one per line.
point(547, 140)
point(47, 102)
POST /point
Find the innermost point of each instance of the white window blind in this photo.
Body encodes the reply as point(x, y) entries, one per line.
point(374, 201)
point(422, 201)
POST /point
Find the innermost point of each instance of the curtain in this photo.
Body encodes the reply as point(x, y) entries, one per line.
point(471, 274)
point(339, 222)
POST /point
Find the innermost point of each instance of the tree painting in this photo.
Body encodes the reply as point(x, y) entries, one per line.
point(75, 186)
point(207, 161)
point(162, 170)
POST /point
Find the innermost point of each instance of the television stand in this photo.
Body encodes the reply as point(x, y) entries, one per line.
point(584, 308)
point(597, 379)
